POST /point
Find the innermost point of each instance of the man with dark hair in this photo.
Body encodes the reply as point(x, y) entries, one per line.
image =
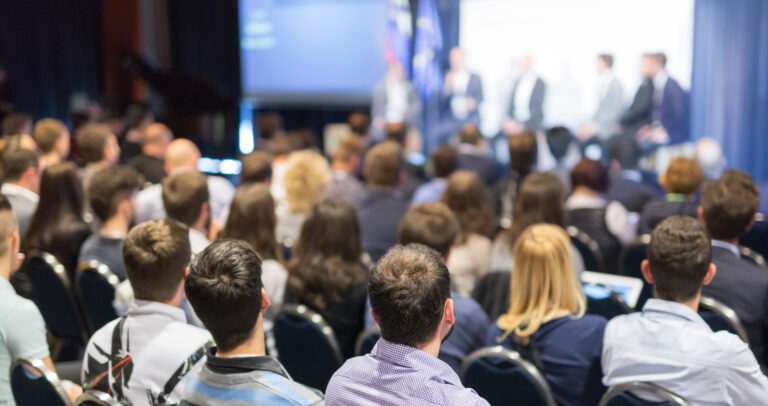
point(410, 293)
point(16, 124)
point(185, 197)
point(444, 162)
point(559, 141)
point(629, 185)
point(99, 148)
point(473, 155)
point(21, 183)
point(523, 151)
point(52, 139)
point(226, 276)
point(150, 163)
point(113, 201)
point(144, 357)
point(727, 207)
point(669, 344)
point(256, 168)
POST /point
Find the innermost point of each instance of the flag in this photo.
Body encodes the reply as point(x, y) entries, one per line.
point(399, 34)
point(429, 41)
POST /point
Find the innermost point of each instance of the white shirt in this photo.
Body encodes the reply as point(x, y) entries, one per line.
point(459, 99)
point(149, 202)
point(670, 345)
point(617, 218)
point(274, 277)
point(11, 189)
point(523, 96)
point(468, 262)
point(197, 241)
point(659, 83)
point(397, 101)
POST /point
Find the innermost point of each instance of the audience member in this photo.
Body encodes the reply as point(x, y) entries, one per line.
point(227, 276)
point(681, 182)
point(382, 205)
point(143, 358)
point(326, 272)
point(186, 199)
point(444, 162)
point(360, 125)
point(469, 199)
point(21, 183)
point(560, 140)
point(150, 162)
point(306, 176)
point(668, 343)
point(346, 159)
point(473, 155)
point(138, 117)
point(629, 185)
point(546, 320)
point(522, 159)
point(709, 155)
point(113, 200)
point(256, 168)
point(16, 124)
point(98, 147)
point(52, 140)
point(727, 207)
point(410, 293)
point(415, 175)
point(606, 222)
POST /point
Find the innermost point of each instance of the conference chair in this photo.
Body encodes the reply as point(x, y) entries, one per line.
point(95, 286)
point(624, 395)
point(306, 346)
point(757, 237)
point(52, 292)
point(492, 293)
point(603, 301)
point(502, 377)
point(751, 256)
point(588, 248)
point(34, 384)
point(93, 397)
point(721, 317)
point(366, 340)
point(631, 261)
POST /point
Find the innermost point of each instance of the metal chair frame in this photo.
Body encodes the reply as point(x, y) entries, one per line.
point(303, 312)
point(39, 367)
point(102, 270)
point(647, 387)
point(725, 312)
point(98, 397)
point(591, 244)
point(752, 255)
point(375, 330)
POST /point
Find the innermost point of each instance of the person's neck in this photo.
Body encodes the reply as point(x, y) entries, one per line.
point(585, 191)
point(115, 225)
point(22, 184)
point(692, 303)
point(432, 348)
point(254, 346)
point(734, 242)
point(199, 225)
point(340, 166)
point(153, 151)
point(51, 158)
point(5, 267)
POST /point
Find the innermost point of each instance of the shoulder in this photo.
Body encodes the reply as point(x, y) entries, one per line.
point(219, 182)
point(17, 309)
point(150, 193)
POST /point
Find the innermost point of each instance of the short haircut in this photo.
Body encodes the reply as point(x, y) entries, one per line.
point(383, 164)
point(470, 134)
point(590, 174)
point(348, 148)
point(679, 255)
point(359, 122)
point(661, 58)
point(184, 195)
point(256, 167)
point(156, 254)
point(47, 131)
point(111, 186)
point(558, 140)
point(8, 225)
point(683, 175)
point(408, 289)
point(397, 132)
point(627, 152)
point(91, 141)
point(607, 59)
point(729, 204)
point(522, 151)
point(14, 123)
point(445, 160)
point(225, 276)
point(16, 161)
point(432, 224)
point(269, 124)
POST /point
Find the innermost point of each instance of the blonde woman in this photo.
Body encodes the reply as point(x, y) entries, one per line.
point(307, 174)
point(546, 319)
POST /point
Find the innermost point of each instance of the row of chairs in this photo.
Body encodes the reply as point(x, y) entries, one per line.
point(34, 384)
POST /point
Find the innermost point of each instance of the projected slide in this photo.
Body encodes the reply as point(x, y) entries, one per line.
point(312, 51)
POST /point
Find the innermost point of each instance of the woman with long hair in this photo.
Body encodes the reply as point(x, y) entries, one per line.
point(545, 320)
point(307, 175)
point(326, 272)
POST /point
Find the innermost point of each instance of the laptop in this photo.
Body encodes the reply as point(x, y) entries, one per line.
point(629, 288)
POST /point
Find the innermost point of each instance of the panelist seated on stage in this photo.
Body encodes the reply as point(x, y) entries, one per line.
point(610, 102)
point(526, 105)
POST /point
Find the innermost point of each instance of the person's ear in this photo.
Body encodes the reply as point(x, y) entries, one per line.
point(449, 317)
point(645, 267)
point(30, 173)
point(186, 271)
point(710, 274)
point(204, 210)
point(373, 315)
point(700, 214)
point(264, 300)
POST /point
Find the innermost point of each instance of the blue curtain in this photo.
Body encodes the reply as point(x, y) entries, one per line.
point(729, 89)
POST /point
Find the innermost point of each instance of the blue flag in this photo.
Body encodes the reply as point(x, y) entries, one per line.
point(429, 41)
point(399, 34)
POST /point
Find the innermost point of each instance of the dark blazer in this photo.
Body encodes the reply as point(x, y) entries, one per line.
point(674, 112)
point(153, 169)
point(536, 105)
point(474, 90)
point(639, 112)
point(380, 212)
point(486, 167)
point(743, 286)
point(633, 195)
point(657, 211)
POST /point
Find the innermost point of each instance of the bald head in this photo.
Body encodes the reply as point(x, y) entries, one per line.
point(181, 153)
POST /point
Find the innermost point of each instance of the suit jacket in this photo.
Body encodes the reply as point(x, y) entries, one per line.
point(674, 112)
point(474, 90)
point(633, 195)
point(657, 211)
point(379, 103)
point(639, 112)
point(742, 286)
point(379, 212)
point(536, 105)
point(486, 167)
point(609, 109)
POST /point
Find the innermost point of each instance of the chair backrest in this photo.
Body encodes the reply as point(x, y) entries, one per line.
point(588, 248)
point(624, 395)
point(367, 340)
point(492, 293)
point(52, 292)
point(95, 286)
point(93, 397)
point(603, 301)
point(34, 384)
point(306, 346)
point(631, 261)
point(751, 256)
point(721, 317)
point(501, 376)
point(757, 237)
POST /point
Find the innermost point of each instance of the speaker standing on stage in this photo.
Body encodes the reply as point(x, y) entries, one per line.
point(463, 92)
point(395, 100)
point(526, 106)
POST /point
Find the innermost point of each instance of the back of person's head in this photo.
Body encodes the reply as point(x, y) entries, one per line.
point(269, 124)
point(383, 164)
point(184, 195)
point(543, 282)
point(224, 288)
point(469, 199)
point(156, 254)
point(16, 161)
point(8, 226)
point(157, 134)
point(590, 174)
point(110, 187)
point(431, 224)
point(396, 132)
point(408, 290)
point(359, 122)
point(541, 199)
point(470, 134)
point(348, 149)
point(92, 141)
point(47, 132)
point(683, 175)
point(607, 59)
point(445, 160)
point(181, 153)
point(627, 153)
point(709, 154)
point(256, 167)
point(522, 152)
point(559, 140)
point(60, 206)
point(306, 176)
point(16, 124)
point(252, 219)
point(138, 116)
point(728, 205)
point(679, 256)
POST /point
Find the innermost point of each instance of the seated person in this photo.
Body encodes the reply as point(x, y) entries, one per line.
point(727, 208)
point(150, 163)
point(53, 141)
point(630, 186)
point(186, 199)
point(227, 276)
point(306, 176)
point(561, 144)
point(523, 153)
point(113, 201)
point(143, 357)
point(346, 159)
point(98, 147)
point(410, 292)
point(681, 182)
point(668, 343)
point(545, 321)
point(256, 168)
point(473, 155)
point(21, 183)
point(444, 162)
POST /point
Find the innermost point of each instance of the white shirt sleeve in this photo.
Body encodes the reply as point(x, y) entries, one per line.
point(745, 382)
point(617, 220)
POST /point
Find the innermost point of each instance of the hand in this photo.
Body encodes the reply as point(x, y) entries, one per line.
point(512, 127)
point(214, 229)
point(644, 133)
point(471, 104)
